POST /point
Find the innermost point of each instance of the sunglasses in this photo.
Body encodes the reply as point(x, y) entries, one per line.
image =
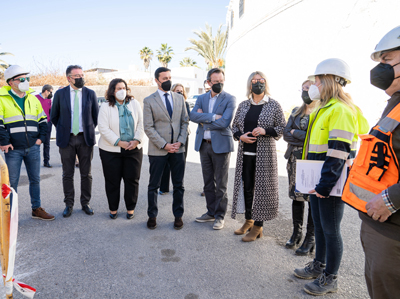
point(22, 80)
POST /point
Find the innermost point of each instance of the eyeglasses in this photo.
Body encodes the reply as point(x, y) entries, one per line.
point(76, 76)
point(22, 80)
point(262, 80)
point(216, 82)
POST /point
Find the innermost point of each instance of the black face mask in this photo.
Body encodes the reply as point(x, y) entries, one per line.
point(166, 86)
point(79, 82)
point(306, 97)
point(258, 87)
point(50, 95)
point(382, 76)
point(217, 88)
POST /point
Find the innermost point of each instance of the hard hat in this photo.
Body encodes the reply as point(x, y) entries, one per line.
point(390, 41)
point(14, 71)
point(333, 66)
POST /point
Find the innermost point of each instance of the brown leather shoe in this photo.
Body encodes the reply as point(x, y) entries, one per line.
point(41, 214)
point(245, 228)
point(178, 223)
point(152, 223)
point(256, 232)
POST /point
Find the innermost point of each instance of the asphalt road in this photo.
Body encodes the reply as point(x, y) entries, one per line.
point(96, 257)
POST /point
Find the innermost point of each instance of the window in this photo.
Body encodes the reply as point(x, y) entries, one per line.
point(232, 16)
point(241, 8)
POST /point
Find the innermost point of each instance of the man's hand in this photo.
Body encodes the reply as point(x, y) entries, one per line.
point(132, 145)
point(292, 131)
point(123, 144)
point(38, 142)
point(218, 116)
point(377, 209)
point(246, 139)
point(317, 194)
point(5, 148)
point(199, 110)
point(177, 145)
point(258, 131)
point(170, 148)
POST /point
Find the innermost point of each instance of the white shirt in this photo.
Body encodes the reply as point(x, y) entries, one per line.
point(72, 93)
point(211, 103)
point(264, 100)
point(169, 98)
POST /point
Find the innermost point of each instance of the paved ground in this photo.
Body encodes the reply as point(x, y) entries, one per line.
point(96, 257)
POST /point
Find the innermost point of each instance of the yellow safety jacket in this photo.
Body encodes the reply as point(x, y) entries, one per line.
point(20, 129)
point(332, 137)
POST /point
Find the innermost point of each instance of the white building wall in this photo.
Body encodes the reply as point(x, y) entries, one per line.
point(286, 40)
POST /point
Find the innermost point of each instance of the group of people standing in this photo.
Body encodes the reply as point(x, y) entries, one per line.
point(324, 128)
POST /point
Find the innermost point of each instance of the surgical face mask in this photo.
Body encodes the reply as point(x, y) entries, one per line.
point(121, 94)
point(258, 88)
point(382, 76)
point(79, 82)
point(166, 85)
point(217, 88)
point(306, 97)
point(50, 95)
point(314, 93)
point(23, 86)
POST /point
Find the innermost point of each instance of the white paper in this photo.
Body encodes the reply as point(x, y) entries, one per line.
point(308, 174)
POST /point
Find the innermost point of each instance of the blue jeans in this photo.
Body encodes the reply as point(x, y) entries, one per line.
point(327, 214)
point(31, 158)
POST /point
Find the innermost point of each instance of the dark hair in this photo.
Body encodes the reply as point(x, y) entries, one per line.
point(111, 90)
point(160, 70)
point(47, 87)
point(72, 67)
point(214, 71)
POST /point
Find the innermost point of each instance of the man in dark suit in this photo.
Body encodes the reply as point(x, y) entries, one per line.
point(74, 114)
point(165, 121)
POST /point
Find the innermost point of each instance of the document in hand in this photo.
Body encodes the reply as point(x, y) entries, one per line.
point(308, 174)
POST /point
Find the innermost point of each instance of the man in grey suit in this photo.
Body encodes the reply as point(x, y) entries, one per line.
point(214, 112)
point(165, 120)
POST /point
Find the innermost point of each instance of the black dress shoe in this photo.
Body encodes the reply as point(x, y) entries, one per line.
point(67, 212)
point(88, 210)
point(47, 165)
point(178, 223)
point(130, 216)
point(152, 223)
point(114, 216)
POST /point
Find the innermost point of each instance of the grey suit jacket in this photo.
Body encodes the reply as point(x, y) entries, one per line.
point(160, 127)
point(221, 133)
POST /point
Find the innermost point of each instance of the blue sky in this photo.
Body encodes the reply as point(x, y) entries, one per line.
point(53, 34)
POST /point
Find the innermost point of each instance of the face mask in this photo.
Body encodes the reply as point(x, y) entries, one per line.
point(50, 95)
point(166, 86)
point(79, 82)
point(258, 88)
point(23, 86)
point(121, 94)
point(314, 93)
point(217, 88)
point(306, 97)
point(382, 76)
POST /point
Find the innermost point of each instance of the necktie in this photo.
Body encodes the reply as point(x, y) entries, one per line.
point(75, 123)
point(168, 104)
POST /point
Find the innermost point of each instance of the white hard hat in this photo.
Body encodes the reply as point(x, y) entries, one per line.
point(14, 71)
point(390, 41)
point(333, 66)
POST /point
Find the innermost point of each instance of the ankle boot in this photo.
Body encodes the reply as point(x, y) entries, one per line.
point(246, 226)
point(297, 215)
point(256, 232)
point(307, 247)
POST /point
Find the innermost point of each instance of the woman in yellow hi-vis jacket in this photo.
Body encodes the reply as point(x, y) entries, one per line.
point(332, 138)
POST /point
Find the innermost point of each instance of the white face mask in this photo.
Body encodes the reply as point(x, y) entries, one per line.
point(121, 94)
point(23, 86)
point(314, 93)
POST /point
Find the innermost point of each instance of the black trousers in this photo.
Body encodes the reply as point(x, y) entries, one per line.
point(249, 177)
point(46, 144)
point(157, 165)
point(164, 186)
point(76, 147)
point(126, 166)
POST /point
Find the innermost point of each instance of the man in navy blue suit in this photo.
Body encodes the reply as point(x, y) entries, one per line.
point(74, 114)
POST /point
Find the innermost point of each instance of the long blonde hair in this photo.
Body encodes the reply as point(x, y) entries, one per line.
point(266, 91)
point(332, 89)
point(184, 90)
point(303, 108)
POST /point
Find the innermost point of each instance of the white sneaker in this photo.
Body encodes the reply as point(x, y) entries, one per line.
point(219, 224)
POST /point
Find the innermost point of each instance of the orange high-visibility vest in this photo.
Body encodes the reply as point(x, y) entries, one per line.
point(375, 168)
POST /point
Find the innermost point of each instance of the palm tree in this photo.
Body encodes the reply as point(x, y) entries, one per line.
point(4, 65)
point(146, 55)
point(164, 55)
point(211, 48)
point(187, 61)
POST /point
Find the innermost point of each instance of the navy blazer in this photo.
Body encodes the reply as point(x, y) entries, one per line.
point(61, 115)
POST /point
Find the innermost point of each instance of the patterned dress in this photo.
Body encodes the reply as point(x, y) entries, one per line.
point(291, 165)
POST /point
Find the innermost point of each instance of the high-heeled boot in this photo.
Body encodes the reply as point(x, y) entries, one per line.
point(256, 232)
point(297, 216)
point(246, 226)
point(308, 245)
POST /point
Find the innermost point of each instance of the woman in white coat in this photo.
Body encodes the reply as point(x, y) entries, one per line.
point(120, 125)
